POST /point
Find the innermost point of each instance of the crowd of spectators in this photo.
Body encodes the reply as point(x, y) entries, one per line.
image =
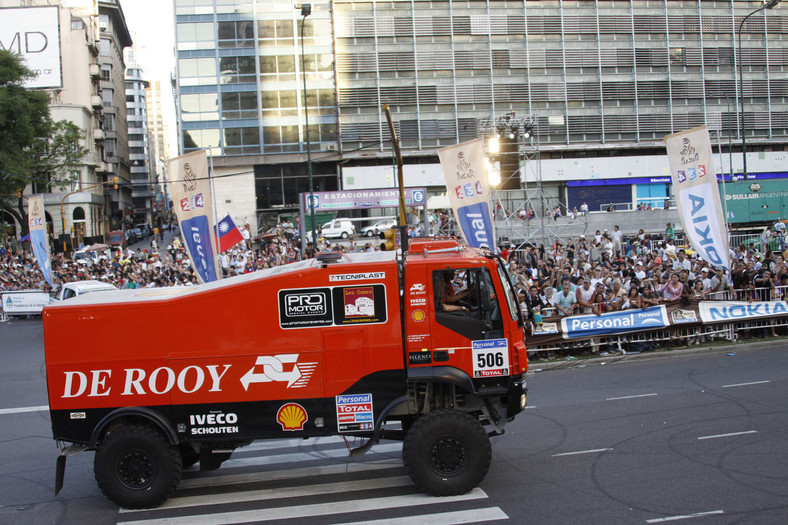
point(604, 272)
point(609, 272)
point(153, 266)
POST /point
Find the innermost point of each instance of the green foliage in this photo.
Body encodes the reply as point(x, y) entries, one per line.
point(33, 148)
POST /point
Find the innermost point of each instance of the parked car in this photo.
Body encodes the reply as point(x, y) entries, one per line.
point(381, 225)
point(338, 228)
point(144, 230)
point(131, 236)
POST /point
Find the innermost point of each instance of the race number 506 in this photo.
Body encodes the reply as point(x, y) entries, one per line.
point(490, 358)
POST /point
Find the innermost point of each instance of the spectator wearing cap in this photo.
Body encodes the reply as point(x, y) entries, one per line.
point(640, 272)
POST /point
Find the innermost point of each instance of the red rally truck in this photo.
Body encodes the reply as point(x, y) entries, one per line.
point(427, 347)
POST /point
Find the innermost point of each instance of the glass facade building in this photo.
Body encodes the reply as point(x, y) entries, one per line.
point(600, 78)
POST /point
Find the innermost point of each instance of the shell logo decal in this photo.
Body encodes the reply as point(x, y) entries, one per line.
point(292, 416)
point(418, 315)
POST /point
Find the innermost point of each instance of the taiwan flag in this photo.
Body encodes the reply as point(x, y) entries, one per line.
point(228, 233)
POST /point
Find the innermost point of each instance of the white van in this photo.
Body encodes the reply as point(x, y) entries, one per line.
point(338, 228)
point(69, 290)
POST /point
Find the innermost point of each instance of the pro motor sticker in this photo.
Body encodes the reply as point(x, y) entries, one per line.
point(335, 306)
point(354, 412)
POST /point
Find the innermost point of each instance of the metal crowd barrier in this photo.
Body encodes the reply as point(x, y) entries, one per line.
point(691, 335)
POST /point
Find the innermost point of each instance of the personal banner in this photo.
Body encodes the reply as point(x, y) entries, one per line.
point(611, 324)
point(191, 197)
point(697, 195)
point(469, 192)
point(38, 235)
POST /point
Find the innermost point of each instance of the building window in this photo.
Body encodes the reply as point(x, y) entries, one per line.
point(236, 69)
point(239, 105)
point(238, 141)
point(200, 138)
point(197, 71)
point(202, 106)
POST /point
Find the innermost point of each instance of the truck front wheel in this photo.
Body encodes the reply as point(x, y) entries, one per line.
point(136, 467)
point(446, 453)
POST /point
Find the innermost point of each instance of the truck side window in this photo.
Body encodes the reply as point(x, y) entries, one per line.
point(466, 302)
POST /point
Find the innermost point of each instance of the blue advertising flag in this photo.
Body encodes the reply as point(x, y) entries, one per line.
point(197, 235)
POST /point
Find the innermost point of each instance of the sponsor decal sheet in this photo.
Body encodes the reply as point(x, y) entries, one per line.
point(469, 192)
point(38, 235)
point(697, 194)
point(191, 197)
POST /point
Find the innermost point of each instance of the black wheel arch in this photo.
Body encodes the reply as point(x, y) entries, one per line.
point(134, 415)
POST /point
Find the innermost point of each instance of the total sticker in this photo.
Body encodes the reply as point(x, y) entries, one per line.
point(354, 412)
point(490, 358)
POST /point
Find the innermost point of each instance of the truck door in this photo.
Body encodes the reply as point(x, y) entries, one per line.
point(466, 304)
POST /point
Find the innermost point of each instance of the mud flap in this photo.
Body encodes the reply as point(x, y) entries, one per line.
point(60, 464)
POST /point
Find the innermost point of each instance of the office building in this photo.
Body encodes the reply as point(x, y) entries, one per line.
point(599, 83)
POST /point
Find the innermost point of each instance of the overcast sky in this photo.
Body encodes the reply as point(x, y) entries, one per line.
point(152, 29)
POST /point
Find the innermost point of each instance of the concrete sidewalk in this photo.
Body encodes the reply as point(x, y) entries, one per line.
point(581, 362)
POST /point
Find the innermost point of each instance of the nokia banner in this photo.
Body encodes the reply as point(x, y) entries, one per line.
point(697, 194)
point(469, 192)
point(191, 197)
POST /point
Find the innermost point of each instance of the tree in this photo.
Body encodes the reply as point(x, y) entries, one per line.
point(33, 148)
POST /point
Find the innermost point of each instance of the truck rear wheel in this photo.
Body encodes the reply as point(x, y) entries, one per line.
point(446, 453)
point(136, 467)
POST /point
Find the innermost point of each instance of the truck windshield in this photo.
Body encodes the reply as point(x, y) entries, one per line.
point(511, 298)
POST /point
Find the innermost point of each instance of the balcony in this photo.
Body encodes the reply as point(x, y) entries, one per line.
point(96, 101)
point(98, 135)
point(95, 70)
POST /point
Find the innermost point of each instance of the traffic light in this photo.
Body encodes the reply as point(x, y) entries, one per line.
point(19, 193)
point(389, 240)
point(115, 181)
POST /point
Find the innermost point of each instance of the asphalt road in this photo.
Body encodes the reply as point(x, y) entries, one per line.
point(698, 438)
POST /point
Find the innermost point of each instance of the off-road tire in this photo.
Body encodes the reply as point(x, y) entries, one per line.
point(446, 453)
point(136, 467)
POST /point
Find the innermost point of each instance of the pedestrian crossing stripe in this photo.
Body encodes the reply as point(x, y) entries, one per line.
point(316, 509)
point(211, 503)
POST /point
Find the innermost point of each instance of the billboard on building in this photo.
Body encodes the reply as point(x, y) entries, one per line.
point(34, 34)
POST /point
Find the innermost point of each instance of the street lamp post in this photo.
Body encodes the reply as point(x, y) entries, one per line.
point(306, 10)
point(767, 5)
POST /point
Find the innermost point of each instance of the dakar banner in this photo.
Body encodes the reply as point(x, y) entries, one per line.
point(38, 235)
point(697, 194)
point(191, 198)
point(469, 192)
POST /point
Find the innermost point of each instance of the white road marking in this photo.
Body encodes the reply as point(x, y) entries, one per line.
point(685, 516)
point(746, 384)
point(281, 493)
point(442, 518)
point(729, 435)
point(21, 410)
point(630, 397)
point(582, 452)
point(304, 511)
